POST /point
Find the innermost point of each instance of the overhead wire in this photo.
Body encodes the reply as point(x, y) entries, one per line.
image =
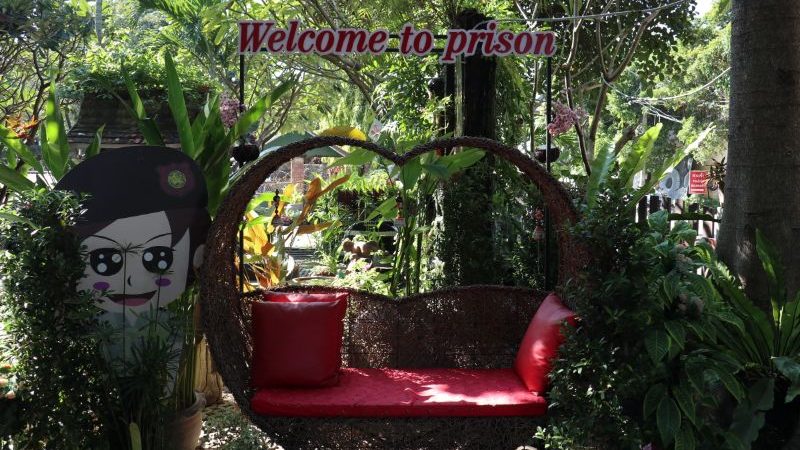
point(652, 100)
point(587, 16)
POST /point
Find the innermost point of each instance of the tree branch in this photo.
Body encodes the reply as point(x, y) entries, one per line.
point(578, 129)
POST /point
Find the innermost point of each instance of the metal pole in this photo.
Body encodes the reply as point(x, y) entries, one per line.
point(241, 229)
point(548, 144)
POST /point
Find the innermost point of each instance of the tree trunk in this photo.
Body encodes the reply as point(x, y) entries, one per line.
point(762, 186)
point(98, 22)
point(465, 242)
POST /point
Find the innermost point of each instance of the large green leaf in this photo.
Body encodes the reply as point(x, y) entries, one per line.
point(459, 161)
point(14, 180)
point(177, 104)
point(357, 157)
point(685, 439)
point(653, 398)
point(669, 164)
point(668, 419)
point(55, 151)
point(749, 415)
point(385, 209)
point(147, 126)
point(633, 160)
point(436, 170)
point(14, 144)
point(731, 384)
point(9, 217)
point(684, 398)
point(136, 436)
point(410, 173)
point(789, 368)
point(94, 146)
point(250, 117)
point(601, 168)
point(676, 331)
point(770, 261)
point(656, 342)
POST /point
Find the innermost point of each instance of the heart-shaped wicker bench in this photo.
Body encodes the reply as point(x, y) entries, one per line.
point(468, 327)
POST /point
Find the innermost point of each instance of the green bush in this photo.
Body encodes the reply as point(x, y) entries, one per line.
point(61, 391)
point(642, 366)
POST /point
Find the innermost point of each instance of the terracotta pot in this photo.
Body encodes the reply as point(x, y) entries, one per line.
point(184, 431)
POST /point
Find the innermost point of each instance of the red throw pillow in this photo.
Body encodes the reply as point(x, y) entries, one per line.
point(541, 342)
point(297, 343)
point(292, 297)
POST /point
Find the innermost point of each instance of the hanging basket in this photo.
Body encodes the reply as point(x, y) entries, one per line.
point(464, 327)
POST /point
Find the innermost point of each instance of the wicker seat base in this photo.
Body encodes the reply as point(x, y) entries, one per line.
point(435, 433)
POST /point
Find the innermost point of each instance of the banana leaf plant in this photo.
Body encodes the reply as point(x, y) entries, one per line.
point(619, 168)
point(267, 235)
point(205, 138)
point(20, 169)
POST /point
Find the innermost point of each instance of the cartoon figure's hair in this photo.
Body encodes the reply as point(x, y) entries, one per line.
point(133, 181)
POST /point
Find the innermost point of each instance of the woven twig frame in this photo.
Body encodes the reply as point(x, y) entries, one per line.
point(440, 320)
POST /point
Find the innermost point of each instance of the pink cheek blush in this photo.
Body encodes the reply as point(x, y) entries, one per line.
point(163, 282)
point(101, 286)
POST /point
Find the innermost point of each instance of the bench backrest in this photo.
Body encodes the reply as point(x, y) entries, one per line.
point(464, 327)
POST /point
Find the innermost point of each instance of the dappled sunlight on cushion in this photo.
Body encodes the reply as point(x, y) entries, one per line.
point(407, 393)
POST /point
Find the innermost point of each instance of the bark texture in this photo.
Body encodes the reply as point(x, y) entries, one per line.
point(465, 242)
point(763, 179)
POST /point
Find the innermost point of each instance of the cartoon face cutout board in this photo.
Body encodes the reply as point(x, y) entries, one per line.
point(143, 229)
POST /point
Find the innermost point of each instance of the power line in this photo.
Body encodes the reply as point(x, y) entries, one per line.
point(651, 100)
point(588, 16)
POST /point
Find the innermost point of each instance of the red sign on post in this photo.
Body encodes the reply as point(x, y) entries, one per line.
point(698, 181)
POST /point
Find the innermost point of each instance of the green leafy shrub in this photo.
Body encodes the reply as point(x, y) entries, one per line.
point(60, 387)
point(643, 366)
point(766, 344)
point(102, 71)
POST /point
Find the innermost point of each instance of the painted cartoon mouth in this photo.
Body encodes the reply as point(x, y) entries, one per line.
point(132, 299)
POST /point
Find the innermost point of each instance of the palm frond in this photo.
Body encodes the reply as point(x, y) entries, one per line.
point(180, 10)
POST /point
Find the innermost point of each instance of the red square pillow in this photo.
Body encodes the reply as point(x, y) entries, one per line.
point(297, 343)
point(541, 342)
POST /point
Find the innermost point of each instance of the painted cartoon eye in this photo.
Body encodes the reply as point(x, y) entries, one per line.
point(157, 259)
point(106, 261)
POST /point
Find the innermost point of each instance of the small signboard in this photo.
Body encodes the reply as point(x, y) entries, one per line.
point(698, 182)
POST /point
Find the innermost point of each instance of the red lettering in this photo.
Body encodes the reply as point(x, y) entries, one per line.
point(488, 43)
point(276, 41)
point(545, 44)
point(325, 40)
point(405, 38)
point(456, 41)
point(351, 41)
point(377, 41)
point(305, 43)
point(291, 43)
point(474, 39)
point(520, 47)
point(503, 46)
point(423, 42)
point(251, 36)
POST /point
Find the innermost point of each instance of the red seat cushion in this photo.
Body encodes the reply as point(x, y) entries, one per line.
point(297, 343)
point(407, 393)
point(541, 342)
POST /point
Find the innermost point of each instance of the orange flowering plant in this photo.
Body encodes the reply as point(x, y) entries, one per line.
point(267, 235)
